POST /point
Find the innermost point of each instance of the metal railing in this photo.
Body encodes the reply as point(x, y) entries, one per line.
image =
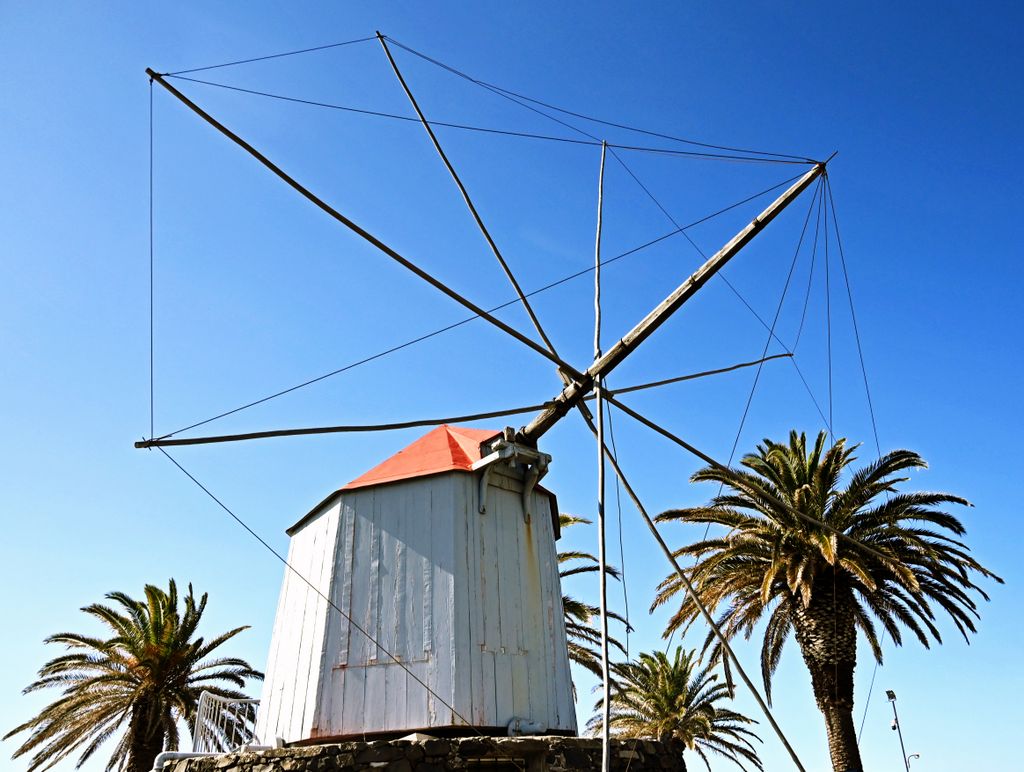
point(224, 724)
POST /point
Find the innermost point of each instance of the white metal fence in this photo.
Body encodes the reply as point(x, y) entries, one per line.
point(224, 724)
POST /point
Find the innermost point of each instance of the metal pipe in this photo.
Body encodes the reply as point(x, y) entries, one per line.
point(896, 725)
point(162, 758)
point(601, 555)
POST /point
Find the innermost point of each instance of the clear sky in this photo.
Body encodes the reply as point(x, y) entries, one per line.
point(256, 290)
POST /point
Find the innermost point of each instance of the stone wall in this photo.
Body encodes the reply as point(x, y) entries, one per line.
point(428, 754)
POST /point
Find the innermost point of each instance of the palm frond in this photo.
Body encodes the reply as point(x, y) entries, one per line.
point(149, 674)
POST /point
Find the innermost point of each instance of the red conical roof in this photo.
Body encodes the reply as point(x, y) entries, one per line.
point(444, 449)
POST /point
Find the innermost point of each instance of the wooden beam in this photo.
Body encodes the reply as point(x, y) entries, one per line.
point(575, 391)
point(169, 441)
point(357, 229)
point(465, 197)
point(566, 376)
point(692, 376)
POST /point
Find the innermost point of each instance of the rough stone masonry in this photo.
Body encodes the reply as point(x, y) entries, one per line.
point(469, 754)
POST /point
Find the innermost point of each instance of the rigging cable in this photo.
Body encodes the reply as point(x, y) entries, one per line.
point(515, 99)
point(381, 113)
point(828, 323)
point(475, 128)
point(679, 378)
point(468, 319)
point(472, 207)
point(719, 465)
point(775, 157)
point(688, 584)
point(365, 235)
point(771, 329)
point(152, 410)
point(167, 441)
point(816, 199)
point(853, 316)
point(551, 347)
point(828, 328)
point(272, 56)
point(810, 280)
point(510, 94)
point(871, 410)
point(803, 316)
point(522, 102)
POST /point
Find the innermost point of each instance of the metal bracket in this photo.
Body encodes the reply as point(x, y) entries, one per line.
point(533, 473)
point(484, 482)
point(504, 450)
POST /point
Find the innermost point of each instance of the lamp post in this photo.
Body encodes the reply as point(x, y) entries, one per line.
point(896, 728)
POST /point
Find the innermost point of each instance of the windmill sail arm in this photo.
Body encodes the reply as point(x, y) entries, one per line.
point(360, 231)
point(578, 389)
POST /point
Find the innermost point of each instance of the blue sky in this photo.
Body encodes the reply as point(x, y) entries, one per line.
point(256, 290)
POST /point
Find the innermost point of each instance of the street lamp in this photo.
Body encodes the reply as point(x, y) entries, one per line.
point(896, 728)
point(912, 756)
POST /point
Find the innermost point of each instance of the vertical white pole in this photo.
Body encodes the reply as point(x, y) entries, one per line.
point(602, 573)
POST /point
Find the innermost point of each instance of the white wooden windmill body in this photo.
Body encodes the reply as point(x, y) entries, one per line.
point(468, 601)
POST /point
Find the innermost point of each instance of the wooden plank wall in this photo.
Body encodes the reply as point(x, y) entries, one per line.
point(470, 604)
point(512, 643)
point(296, 648)
point(395, 579)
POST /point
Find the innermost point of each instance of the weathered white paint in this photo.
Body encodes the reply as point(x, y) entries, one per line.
point(469, 603)
point(296, 648)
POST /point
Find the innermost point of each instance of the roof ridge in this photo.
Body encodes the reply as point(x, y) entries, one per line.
point(459, 454)
point(444, 448)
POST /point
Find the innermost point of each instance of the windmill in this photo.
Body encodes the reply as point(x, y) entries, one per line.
point(442, 562)
point(522, 446)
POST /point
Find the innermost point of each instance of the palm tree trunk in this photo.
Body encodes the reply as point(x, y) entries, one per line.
point(827, 637)
point(831, 685)
point(146, 739)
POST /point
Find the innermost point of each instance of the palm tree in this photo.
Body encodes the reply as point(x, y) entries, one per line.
point(661, 698)
point(819, 588)
point(149, 674)
point(583, 636)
